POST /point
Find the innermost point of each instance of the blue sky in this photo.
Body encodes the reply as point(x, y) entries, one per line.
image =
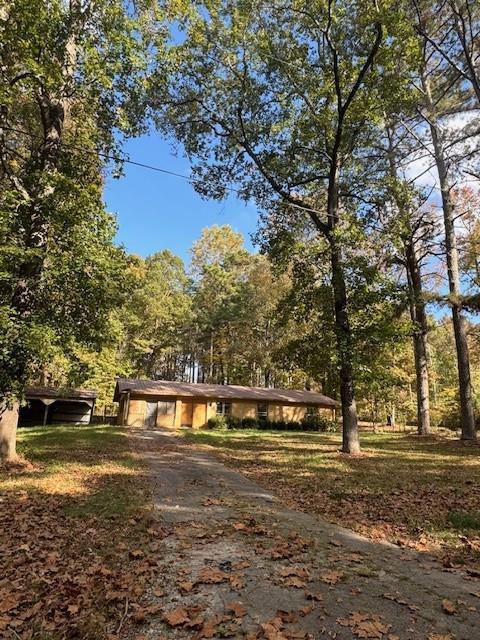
point(157, 211)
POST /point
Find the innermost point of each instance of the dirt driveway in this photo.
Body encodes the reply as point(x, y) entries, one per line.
point(239, 564)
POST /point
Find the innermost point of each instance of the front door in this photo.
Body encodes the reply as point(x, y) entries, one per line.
point(187, 413)
point(151, 414)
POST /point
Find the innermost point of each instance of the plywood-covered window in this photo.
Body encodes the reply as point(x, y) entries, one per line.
point(166, 408)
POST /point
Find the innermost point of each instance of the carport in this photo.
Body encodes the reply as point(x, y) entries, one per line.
point(53, 405)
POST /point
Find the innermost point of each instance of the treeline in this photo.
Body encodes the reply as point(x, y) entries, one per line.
point(231, 317)
point(353, 126)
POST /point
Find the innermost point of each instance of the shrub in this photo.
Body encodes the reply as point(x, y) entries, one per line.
point(319, 423)
point(217, 422)
point(309, 423)
point(249, 423)
point(233, 422)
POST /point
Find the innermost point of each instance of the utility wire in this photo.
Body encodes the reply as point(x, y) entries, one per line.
point(155, 168)
point(150, 167)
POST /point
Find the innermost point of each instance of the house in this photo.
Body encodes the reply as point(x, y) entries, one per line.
point(179, 404)
point(50, 405)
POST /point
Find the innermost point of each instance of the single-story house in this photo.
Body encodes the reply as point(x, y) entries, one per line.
point(180, 404)
point(50, 405)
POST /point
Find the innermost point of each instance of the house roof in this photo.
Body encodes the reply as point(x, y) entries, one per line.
point(222, 392)
point(32, 393)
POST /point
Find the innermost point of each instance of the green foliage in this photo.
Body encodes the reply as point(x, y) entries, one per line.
point(69, 76)
point(462, 520)
point(310, 423)
point(319, 423)
point(249, 423)
point(217, 422)
point(157, 316)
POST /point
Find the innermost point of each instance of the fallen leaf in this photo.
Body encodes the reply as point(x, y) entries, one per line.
point(301, 572)
point(211, 575)
point(448, 607)
point(177, 617)
point(365, 625)
point(237, 582)
point(296, 583)
point(237, 609)
point(73, 609)
point(332, 577)
point(212, 502)
point(272, 631)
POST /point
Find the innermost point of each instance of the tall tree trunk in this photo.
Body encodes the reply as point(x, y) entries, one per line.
point(8, 430)
point(420, 328)
point(54, 111)
point(351, 443)
point(459, 322)
point(465, 30)
point(418, 313)
point(343, 332)
point(211, 352)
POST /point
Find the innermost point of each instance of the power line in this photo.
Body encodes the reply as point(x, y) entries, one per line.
point(160, 170)
point(144, 165)
point(157, 169)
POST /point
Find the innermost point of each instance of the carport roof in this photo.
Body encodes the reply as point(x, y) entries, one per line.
point(221, 392)
point(58, 393)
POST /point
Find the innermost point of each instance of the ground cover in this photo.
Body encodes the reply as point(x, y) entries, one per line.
point(419, 492)
point(76, 537)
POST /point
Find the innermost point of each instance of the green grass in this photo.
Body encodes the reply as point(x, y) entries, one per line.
point(89, 468)
point(465, 521)
point(65, 442)
point(422, 491)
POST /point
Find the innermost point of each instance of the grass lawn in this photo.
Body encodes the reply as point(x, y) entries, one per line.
point(423, 493)
point(75, 533)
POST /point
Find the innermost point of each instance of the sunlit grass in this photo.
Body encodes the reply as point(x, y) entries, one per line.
point(89, 467)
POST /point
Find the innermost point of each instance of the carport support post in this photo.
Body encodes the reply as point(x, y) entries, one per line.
point(126, 407)
point(45, 415)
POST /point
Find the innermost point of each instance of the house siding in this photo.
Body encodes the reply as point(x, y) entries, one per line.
point(136, 413)
point(244, 410)
point(287, 413)
point(195, 412)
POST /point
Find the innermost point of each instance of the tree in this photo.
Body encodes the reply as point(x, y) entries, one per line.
point(220, 268)
point(156, 317)
point(281, 102)
point(410, 226)
point(441, 95)
point(65, 71)
point(454, 35)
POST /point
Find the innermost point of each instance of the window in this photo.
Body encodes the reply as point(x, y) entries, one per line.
point(166, 408)
point(224, 408)
point(262, 411)
point(312, 411)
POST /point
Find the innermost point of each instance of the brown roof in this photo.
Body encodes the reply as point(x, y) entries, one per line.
point(58, 392)
point(222, 392)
